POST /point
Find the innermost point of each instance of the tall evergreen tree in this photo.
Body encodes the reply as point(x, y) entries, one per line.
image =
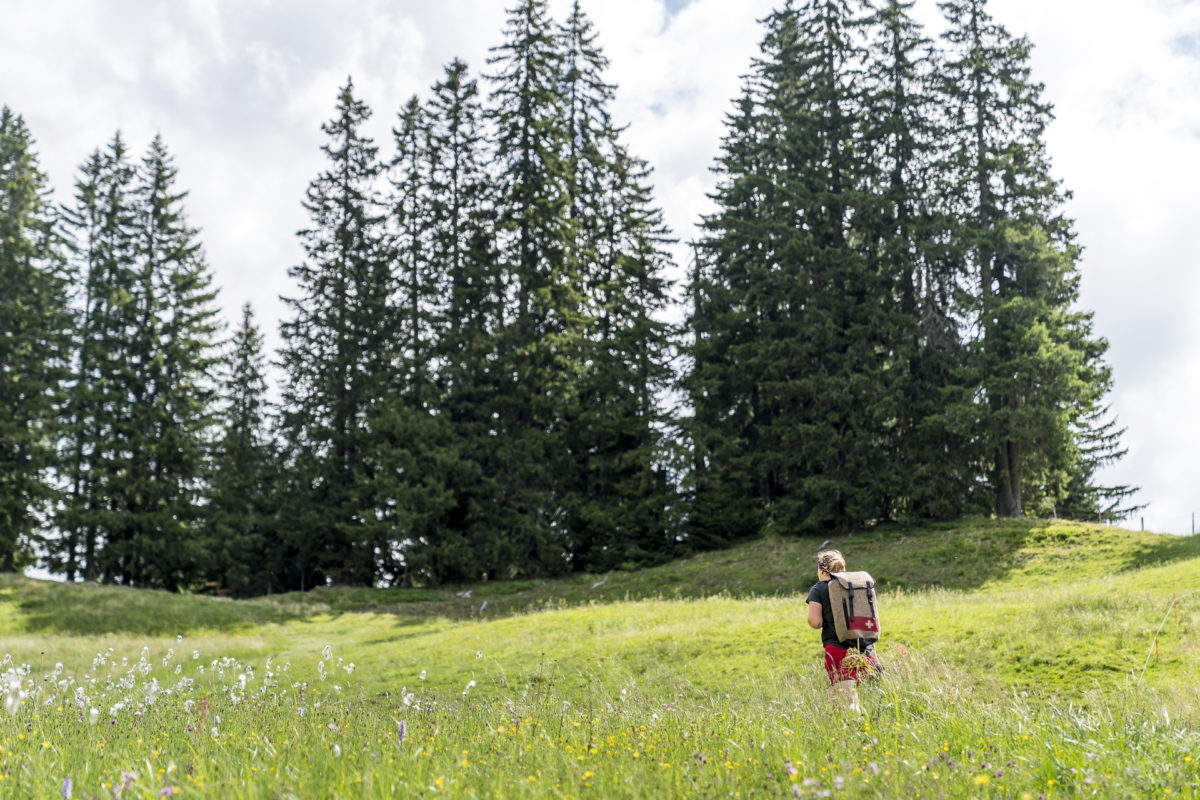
point(1034, 358)
point(241, 535)
point(102, 227)
point(449, 525)
point(933, 457)
point(723, 325)
point(179, 318)
point(619, 499)
point(540, 344)
point(337, 349)
point(410, 436)
point(34, 328)
point(794, 327)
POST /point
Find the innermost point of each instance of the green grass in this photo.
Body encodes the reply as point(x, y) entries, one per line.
point(1014, 653)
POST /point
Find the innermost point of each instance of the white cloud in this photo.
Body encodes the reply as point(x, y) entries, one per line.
point(239, 89)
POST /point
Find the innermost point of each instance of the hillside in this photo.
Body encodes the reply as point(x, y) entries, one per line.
point(983, 593)
point(986, 624)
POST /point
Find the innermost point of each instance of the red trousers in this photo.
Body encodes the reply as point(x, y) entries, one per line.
point(834, 656)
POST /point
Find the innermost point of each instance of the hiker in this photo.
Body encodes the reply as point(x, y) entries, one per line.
point(843, 677)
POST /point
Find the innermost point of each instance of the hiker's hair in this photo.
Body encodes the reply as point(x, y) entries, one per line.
point(831, 561)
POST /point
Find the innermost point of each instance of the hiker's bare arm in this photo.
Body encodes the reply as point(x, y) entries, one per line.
point(814, 615)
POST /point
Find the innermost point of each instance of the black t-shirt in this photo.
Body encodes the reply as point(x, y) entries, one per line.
point(819, 593)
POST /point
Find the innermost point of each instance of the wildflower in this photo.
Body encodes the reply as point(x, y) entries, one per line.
point(188, 704)
point(168, 791)
point(333, 727)
point(789, 767)
point(127, 779)
point(838, 782)
point(983, 780)
point(66, 790)
point(422, 674)
point(470, 686)
point(93, 715)
point(401, 731)
point(337, 751)
point(300, 711)
point(999, 773)
point(327, 652)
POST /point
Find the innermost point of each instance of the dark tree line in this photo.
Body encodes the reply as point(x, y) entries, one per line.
point(477, 379)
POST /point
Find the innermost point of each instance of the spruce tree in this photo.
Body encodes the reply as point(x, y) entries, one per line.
point(177, 414)
point(540, 343)
point(794, 331)
point(617, 505)
point(241, 534)
point(449, 527)
point(1034, 359)
point(409, 435)
point(722, 324)
point(337, 348)
point(101, 225)
point(34, 328)
point(933, 458)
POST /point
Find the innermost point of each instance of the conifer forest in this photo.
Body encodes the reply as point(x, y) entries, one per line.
point(491, 365)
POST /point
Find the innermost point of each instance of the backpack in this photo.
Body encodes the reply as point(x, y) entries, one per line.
point(855, 614)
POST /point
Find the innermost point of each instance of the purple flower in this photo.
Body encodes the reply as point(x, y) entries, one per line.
point(66, 792)
point(169, 791)
point(1000, 773)
point(401, 731)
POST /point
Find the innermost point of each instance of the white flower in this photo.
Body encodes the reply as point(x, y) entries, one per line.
point(327, 652)
point(94, 715)
point(470, 686)
point(337, 751)
point(422, 674)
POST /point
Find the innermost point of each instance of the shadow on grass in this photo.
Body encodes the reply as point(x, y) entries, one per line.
point(963, 555)
point(90, 610)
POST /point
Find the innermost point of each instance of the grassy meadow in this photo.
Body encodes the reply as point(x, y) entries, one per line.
point(1022, 661)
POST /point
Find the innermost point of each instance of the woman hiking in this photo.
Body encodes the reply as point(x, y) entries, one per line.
point(843, 672)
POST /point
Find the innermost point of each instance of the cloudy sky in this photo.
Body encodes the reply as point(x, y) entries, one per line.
point(238, 88)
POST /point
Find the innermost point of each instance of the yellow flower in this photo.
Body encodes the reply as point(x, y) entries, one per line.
point(983, 780)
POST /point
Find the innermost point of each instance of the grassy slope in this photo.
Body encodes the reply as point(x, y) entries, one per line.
point(1051, 607)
